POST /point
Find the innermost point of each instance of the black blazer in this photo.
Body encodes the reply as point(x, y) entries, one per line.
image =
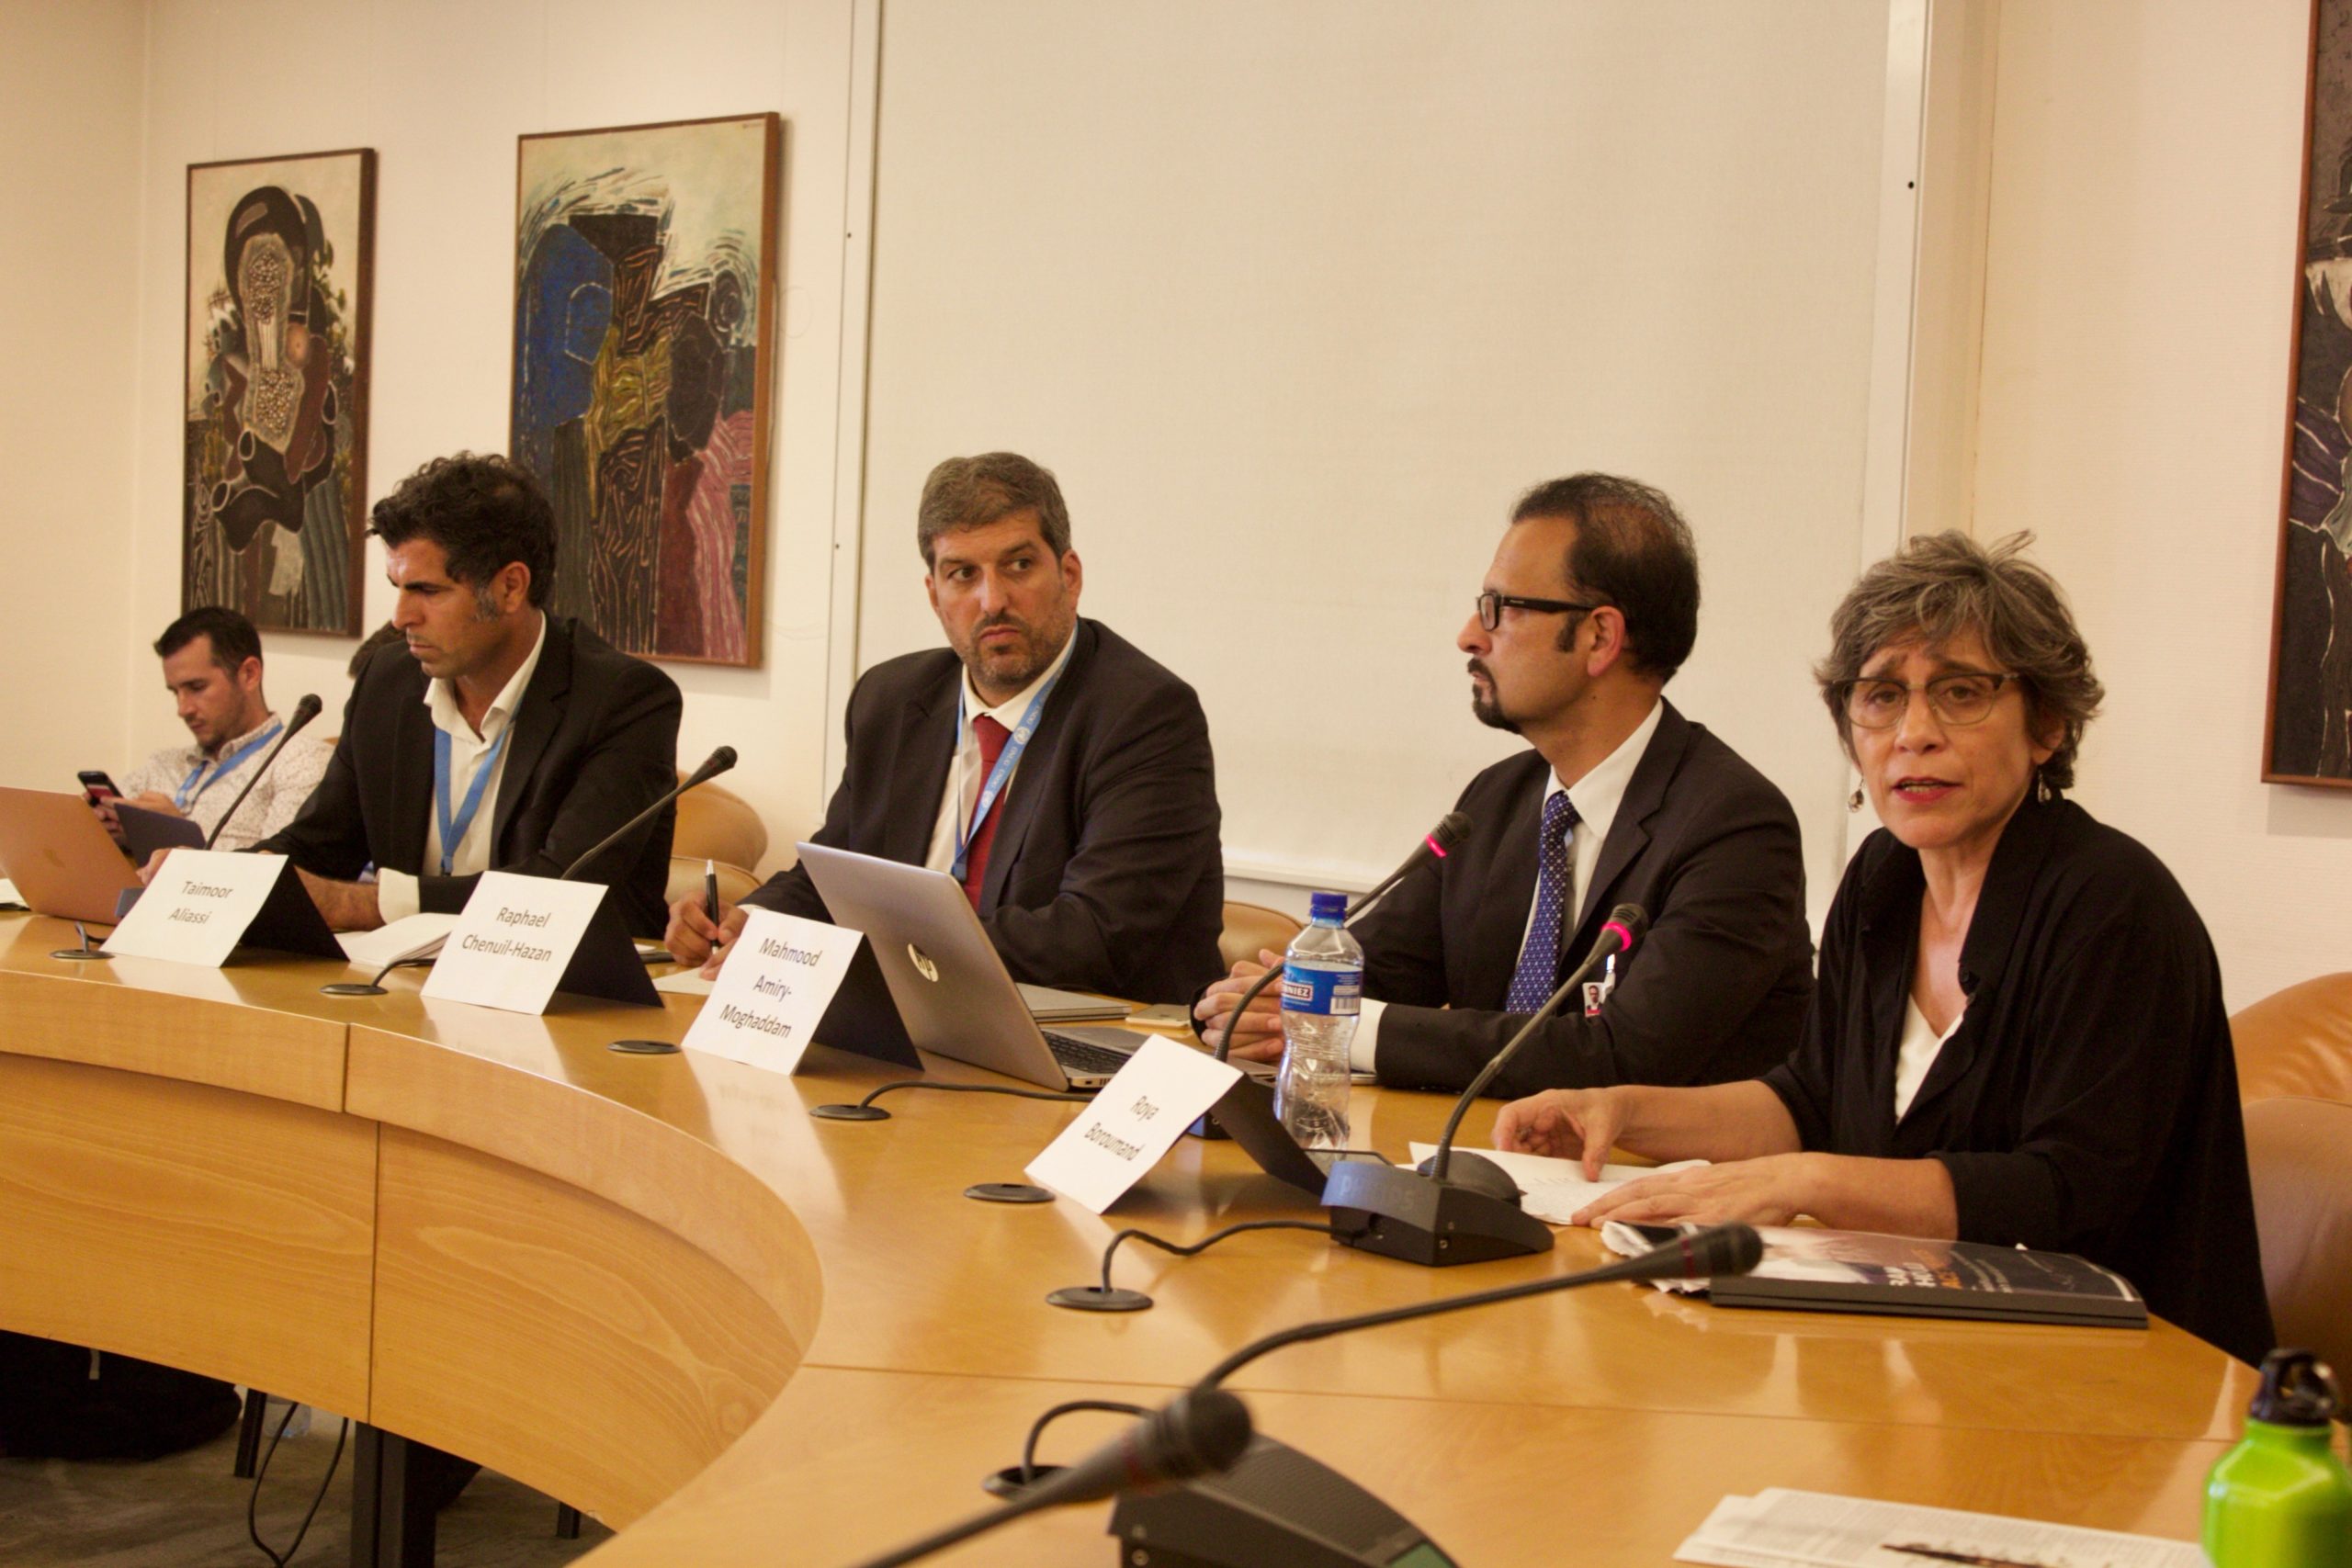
point(1106, 873)
point(595, 742)
point(1717, 990)
point(2088, 1100)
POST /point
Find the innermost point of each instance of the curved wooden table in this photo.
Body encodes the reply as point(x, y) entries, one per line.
point(655, 1287)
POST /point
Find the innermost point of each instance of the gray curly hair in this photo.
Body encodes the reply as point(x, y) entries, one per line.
point(1941, 586)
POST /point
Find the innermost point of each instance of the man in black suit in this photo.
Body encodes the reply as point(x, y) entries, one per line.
point(1091, 850)
point(499, 737)
point(1590, 606)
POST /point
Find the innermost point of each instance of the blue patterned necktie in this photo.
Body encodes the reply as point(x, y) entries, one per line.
point(1538, 960)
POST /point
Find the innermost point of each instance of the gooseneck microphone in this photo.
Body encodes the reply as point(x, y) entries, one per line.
point(1467, 1212)
point(1278, 1504)
point(1701, 1254)
point(1200, 1432)
point(304, 712)
point(717, 762)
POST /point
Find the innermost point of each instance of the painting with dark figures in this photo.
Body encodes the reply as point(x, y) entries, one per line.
point(273, 452)
point(644, 283)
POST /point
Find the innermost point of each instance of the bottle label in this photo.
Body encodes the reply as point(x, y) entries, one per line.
point(1335, 991)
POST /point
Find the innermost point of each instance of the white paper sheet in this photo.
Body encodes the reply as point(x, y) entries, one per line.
point(1778, 1526)
point(407, 937)
point(1551, 1190)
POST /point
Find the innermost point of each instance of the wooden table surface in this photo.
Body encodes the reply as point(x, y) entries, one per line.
point(655, 1287)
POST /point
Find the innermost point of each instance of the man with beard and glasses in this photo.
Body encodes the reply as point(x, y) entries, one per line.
point(1590, 606)
point(1054, 769)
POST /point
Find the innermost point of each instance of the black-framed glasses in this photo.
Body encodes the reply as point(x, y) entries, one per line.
point(1492, 605)
point(1964, 697)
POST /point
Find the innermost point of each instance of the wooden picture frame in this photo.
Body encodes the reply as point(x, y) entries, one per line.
point(641, 374)
point(2307, 714)
point(280, 255)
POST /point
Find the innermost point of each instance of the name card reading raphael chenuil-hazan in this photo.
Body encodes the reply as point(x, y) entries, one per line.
point(509, 948)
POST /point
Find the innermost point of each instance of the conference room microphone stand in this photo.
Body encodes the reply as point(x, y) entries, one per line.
point(304, 712)
point(1199, 1432)
point(1437, 843)
point(1465, 1210)
point(1271, 1502)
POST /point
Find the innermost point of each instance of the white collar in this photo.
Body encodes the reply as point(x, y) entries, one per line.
point(1602, 791)
point(442, 697)
point(1014, 708)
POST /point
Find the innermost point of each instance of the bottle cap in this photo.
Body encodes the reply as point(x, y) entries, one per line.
point(1327, 906)
point(2296, 1390)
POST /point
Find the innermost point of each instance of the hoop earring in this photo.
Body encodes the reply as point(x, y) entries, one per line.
point(1854, 801)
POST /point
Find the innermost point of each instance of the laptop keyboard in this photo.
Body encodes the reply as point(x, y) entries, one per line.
point(1084, 1056)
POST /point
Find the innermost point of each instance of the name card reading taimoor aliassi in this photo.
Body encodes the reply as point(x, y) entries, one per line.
point(1136, 1119)
point(780, 977)
point(511, 946)
point(199, 904)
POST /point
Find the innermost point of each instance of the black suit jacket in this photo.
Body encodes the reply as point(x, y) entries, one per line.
point(1716, 992)
point(595, 742)
point(1106, 873)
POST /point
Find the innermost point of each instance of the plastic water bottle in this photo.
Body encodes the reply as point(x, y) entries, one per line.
point(1322, 987)
point(2281, 1496)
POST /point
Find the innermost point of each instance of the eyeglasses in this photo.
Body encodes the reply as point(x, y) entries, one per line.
point(1491, 606)
point(1962, 698)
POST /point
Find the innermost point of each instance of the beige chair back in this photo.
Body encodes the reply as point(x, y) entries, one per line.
point(2300, 1151)
point(2297, 1043)
point(714, 823)
point(1250, 927)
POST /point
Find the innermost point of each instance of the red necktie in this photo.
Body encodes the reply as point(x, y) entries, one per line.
point(992, 737)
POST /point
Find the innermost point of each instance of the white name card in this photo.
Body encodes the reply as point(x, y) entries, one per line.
point(1136, 1118)
point(513, 941)
point(198, 906)
point(780, 977)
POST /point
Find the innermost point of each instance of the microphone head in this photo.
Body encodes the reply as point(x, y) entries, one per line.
point(1721, 1249)
point(721, 760)
point(1631, 923)
point(1208, 1430)
point(304, 712)
point(1449, 831)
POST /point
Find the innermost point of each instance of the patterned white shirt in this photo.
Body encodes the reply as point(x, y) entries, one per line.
point(186, 771)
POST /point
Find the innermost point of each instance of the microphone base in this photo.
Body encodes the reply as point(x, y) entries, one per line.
point(1276, 1504)
point(81, 955)
point(1402, 1214)
point(352, 989)
point(849, 1113)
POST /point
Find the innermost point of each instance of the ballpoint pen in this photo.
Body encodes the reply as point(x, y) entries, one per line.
point(710, 890)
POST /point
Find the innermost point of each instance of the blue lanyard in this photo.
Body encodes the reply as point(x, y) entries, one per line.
point(189, 791)
point(1004, 762)
point(453, 831)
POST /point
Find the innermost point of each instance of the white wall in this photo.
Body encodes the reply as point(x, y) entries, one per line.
point(441, 88)
point(2140, 287)
point(70, 120)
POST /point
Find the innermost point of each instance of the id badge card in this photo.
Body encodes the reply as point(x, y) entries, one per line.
point(1596, 992)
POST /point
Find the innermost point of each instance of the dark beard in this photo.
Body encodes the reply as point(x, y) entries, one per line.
point(1486, 711)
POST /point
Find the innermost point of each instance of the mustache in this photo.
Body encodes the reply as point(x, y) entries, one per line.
point(1479, 667)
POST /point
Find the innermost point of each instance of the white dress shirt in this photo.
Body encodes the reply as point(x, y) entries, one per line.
point(396, 891)
point(965, 777)
point(1596, 798)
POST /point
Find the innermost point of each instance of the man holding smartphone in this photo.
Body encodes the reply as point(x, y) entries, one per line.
point(212, 668)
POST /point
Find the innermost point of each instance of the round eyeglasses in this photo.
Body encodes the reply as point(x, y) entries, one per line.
point(1962, 698)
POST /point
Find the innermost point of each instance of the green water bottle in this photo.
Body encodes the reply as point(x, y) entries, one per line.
point(2281, 1498)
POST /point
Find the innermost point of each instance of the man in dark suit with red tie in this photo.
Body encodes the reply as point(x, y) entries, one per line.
point(1058, 772)
point(1590, 606)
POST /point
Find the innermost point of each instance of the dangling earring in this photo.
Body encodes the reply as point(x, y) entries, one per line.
point(1854, 801)
point(2044, 792)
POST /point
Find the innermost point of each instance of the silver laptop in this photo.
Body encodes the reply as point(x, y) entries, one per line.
point(945, 977)
point(62, 862)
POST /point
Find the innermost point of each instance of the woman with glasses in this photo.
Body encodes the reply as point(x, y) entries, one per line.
point(2016, 1032)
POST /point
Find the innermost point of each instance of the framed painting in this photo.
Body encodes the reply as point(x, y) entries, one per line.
point(644, 307)
point(274, 436)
